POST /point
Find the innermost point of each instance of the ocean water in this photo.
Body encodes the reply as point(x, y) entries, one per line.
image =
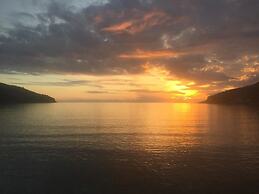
point(129, 148)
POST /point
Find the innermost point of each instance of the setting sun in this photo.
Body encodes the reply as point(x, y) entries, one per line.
point(129, 96)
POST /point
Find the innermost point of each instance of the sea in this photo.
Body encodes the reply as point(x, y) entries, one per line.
point(129, 148)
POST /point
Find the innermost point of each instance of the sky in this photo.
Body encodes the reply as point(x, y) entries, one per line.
point(129, 50)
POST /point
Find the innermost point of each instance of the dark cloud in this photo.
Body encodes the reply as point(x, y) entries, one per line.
point(89, 40)
point(98, 92)
point(62, 83)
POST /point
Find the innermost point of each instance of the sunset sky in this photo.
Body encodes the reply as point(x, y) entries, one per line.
point(129, 50)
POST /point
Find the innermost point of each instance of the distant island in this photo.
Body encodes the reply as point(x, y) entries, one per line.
point(246, 95)
point(10, 94)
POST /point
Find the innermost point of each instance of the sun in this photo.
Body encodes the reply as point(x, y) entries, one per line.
point(178, 89)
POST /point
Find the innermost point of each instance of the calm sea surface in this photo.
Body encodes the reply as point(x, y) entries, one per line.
point(129, 148)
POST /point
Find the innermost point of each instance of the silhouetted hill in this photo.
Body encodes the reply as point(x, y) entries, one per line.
point(245, 95)
point(14, 94)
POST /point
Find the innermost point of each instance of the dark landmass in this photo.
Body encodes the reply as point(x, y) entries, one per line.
point(13, 95)
point(246, 95)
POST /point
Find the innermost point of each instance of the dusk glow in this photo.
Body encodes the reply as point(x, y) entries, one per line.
point(129, 96)
point(177, 51)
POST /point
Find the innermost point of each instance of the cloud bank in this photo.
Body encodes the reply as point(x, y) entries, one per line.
point(207, 42)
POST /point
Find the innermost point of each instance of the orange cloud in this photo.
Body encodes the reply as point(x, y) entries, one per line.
point(119, 27)
point(139, 54)
point(138, 25)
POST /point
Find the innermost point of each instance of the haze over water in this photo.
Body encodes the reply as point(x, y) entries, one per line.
point(128, 148)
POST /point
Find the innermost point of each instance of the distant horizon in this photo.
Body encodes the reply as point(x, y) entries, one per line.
point(127, 100)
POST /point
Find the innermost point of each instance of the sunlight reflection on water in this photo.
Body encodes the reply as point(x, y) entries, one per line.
point(129, 148)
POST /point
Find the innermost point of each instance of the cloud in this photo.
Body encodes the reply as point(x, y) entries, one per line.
point(144, 22)
point(139, 54)
point(203, 41)
point(62, 83)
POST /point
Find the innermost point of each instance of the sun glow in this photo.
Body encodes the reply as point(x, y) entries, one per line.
point(156, 83)
point(176, 88)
